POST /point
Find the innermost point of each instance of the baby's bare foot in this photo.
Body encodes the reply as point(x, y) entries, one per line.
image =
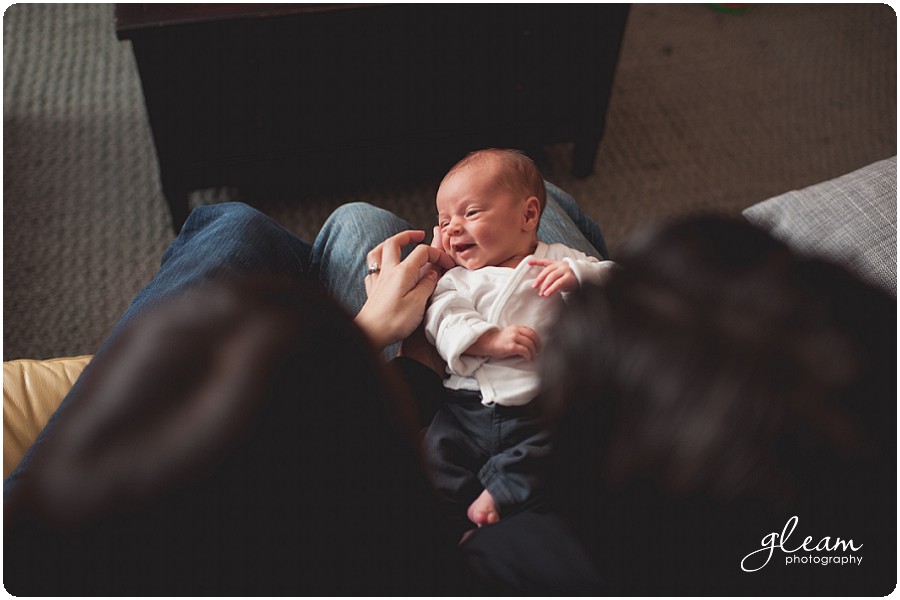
point(483, 511)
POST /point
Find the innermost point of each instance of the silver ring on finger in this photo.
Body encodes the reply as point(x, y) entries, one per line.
point(372, 268)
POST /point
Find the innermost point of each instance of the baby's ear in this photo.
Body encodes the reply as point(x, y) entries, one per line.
point(532, 213)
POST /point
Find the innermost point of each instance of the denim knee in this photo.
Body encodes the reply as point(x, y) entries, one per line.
point(359, 210)
point(368, 225)
point(233, 236)
point(340, 251)
point(349, 233)
point(564, 222)
point(228, 215)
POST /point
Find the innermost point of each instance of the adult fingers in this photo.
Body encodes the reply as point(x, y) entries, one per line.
point(423, 255)
point(423, 289)
point(388, 252)
point(436, 240)
point(407, 310)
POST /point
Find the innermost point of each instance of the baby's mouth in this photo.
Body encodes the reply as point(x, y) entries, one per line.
point(460, 248)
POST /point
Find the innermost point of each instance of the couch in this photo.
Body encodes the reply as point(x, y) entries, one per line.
point(851, 220)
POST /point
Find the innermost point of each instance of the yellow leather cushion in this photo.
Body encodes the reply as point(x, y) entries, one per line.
point(32, 389)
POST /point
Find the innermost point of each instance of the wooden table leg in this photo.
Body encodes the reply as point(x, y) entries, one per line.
point(583, 156)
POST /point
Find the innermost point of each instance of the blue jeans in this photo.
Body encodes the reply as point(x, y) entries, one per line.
point(235, 239)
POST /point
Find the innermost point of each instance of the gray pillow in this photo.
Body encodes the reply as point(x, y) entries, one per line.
point(851, 220)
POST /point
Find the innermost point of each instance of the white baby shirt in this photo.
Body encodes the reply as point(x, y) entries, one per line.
point(466, 304)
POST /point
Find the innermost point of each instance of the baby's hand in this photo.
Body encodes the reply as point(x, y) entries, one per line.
point(557, 276)
point(514, 340)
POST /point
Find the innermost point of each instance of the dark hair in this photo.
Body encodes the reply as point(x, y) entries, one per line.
point(258, 449)
point(715, 372)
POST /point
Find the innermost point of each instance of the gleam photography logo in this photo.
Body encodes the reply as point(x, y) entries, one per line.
point(825, 552)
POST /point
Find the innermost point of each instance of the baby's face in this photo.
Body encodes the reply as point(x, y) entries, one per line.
point(482, 221)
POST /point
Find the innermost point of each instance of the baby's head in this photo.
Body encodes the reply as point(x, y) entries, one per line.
point(489, 207)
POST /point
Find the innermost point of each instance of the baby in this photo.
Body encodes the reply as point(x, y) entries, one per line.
point(487, 445)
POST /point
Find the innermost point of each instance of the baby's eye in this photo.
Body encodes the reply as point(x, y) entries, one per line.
point(472, 212)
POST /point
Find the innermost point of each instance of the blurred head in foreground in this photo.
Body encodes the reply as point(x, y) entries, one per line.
point(239, 439)
point(716, 387)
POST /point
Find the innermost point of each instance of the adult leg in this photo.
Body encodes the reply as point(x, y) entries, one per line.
point(339, 253)
point(218, 240)
point(224, 239)
point(565, 223)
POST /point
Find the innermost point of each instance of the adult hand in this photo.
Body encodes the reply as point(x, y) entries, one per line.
point(416, 345)
point(398, 292)
point(445, 264)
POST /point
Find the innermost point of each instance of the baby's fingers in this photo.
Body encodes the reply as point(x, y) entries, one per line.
point(552, 287)
point(551, 279)
point(528, 339)
point(541, 262)
point(563, 282)
point(542, 276)
point(536, 340)
point(525, 349)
